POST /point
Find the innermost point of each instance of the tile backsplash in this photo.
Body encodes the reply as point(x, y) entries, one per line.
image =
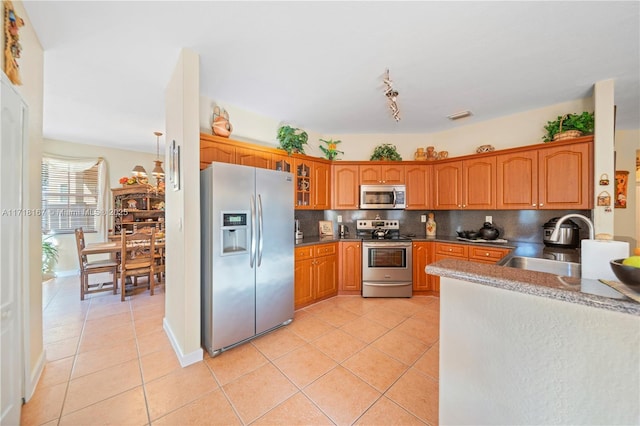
point(514, 225)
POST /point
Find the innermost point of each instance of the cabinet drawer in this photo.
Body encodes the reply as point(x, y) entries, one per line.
point(487, 254)
point(303, 253)
point(325, 249)
point(452, 250)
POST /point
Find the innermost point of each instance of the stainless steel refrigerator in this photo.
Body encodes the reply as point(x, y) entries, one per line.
point(247, 253)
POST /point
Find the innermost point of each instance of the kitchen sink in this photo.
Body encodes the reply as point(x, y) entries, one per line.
point(556, 267)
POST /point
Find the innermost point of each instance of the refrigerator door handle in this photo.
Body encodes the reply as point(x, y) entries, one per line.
point(252, 253)
point(260, 241)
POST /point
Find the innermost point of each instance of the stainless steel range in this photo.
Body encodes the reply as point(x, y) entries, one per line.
point(386, 259)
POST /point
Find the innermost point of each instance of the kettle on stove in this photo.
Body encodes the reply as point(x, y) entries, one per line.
point(379, 233)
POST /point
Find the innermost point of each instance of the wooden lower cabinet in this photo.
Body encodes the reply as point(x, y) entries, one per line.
point(487, 254)
point(473, 253)
point(423, 254)
point(350, 268)
point(316, 273)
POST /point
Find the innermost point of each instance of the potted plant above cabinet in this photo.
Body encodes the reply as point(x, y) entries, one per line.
point(292, 139)
point(386, 152)
point(569, 126)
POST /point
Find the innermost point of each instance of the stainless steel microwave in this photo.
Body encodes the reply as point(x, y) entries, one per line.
point(384, 197)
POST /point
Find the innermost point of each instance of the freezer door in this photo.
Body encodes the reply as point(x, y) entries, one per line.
point(274, 260)
point(232, 277)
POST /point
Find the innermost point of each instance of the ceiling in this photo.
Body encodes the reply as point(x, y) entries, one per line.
point(319, 65)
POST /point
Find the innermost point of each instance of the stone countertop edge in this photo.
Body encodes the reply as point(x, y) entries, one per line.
point(527, 282)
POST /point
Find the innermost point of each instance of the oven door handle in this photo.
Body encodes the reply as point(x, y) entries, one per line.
point(390, 284)
point(392, 244)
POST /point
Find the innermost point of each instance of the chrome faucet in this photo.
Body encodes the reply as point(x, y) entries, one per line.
point(556, 231)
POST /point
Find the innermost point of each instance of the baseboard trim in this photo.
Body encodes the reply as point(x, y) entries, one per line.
point(184, 359)
point(34, 376)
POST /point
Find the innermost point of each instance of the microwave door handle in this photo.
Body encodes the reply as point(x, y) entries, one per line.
point(393, 191)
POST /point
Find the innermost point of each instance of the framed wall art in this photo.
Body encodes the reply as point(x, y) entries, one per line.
point(326, 228)
point(622, 181)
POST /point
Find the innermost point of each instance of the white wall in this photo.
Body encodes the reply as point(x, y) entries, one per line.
point(182, 302)
point(32, 74)
point(512, 358)
point(520, 129)
point(119, 163)
point(625, 228)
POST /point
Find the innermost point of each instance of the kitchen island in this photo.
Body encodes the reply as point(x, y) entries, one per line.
point(523, 347)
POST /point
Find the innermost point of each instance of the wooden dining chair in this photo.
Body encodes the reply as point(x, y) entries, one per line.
point(94, 267)
point(138, 258)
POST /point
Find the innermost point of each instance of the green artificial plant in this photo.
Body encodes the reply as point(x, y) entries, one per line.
point(584, 123)
point(292, 139)
point(331, 152)
point(49, 254)
point(386, 152)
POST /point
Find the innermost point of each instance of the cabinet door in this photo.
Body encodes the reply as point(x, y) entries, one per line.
point(304, 183)
point(321, 186)
point(479, 183)
point(282, 163)
point(370, 174)
point(303, 279)
point(392, 174)
point(566, 177)
point(517, 181)
point(447, 186)
point(346, 192)
point(253, 158)
point(418, 179)
point(350, 266)
point(215, 151)
point(325, 278)
point(422, 256)
point(447, 251)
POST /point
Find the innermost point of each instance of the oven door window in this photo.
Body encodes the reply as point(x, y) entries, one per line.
point(387, 257)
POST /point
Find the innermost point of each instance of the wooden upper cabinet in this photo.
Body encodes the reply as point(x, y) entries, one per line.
point(253, 158)
point(303, 172)
point(376, 174)
point(418, 181)
point(345, 192)
point(479, 183)
point(283, 163)
point(468, 184)
point(566, 177)
point(321, 186)
point(517, 181)
point(447, 185)
point(216, 151)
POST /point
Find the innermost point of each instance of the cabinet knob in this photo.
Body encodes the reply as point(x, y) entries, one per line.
point(486, 254)
point(534, 204)
point(541, 204)
point(459, 206)
point(450, 249)
point(464, 205)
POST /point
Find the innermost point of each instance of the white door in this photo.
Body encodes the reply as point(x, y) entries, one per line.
point(13, 130)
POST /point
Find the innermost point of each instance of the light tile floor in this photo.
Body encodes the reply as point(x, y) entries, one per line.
point(343, 361)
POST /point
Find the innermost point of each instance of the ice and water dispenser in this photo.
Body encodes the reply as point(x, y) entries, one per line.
point(235, 233)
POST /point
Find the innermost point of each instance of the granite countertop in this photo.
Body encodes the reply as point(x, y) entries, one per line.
point(580, 291)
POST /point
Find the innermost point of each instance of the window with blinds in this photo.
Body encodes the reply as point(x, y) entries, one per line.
point(69, 198)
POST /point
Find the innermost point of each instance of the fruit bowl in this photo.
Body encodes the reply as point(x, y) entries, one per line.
point(629, 275)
